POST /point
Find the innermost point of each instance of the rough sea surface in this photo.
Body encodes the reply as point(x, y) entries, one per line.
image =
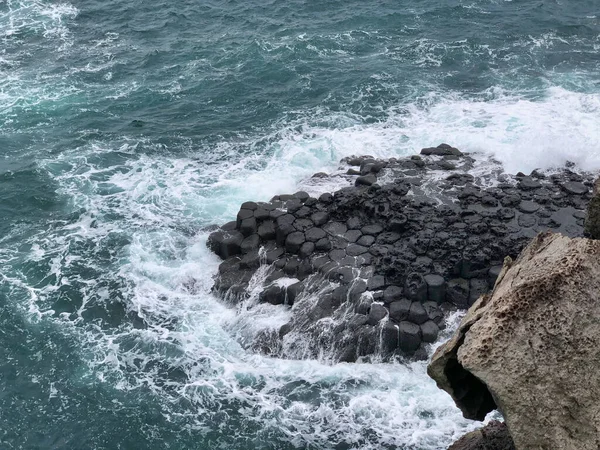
point(128, 126)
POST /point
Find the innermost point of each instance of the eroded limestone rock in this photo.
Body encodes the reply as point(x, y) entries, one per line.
point(531, 348)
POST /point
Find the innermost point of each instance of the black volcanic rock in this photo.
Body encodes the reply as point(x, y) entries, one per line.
point(493, 436)
point(393, 253)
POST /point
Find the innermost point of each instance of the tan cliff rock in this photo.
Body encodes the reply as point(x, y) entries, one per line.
point(531, 348)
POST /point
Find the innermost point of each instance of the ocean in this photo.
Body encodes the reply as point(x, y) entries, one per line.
point(127, 128)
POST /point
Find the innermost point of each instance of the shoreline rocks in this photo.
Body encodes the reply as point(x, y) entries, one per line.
point(531, 348)
point(494, 436)
point(371, 268)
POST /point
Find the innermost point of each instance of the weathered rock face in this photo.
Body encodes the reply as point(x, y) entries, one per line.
point(374, 265)
point(494, 436)
point(532, 347)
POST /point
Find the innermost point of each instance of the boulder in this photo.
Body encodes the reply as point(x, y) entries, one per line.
point(392, 294)
point(457, 292)
point(275, 295)
point(282, 232)
point(434, 312)
point(371, 229)
point(375, 283)
point(262, 214)
point(356, 290)
point(355, 250)
point(251, 259)
point(323, 245)
point(389, 337)
point(248, 226)
point(366, 241)
point(494, 436)
point(306, 249)
point(250, 243)
point(528, 184)
point(249, 205)
point(436, 288)
point(574, 187)
point(441, 150)
point(294, 241)
point(417, 313)
point(531, 348)
point(302, 196)
point(415, 287)
point(319, 218)
point(244, 214)
point(477, 287)
point(409, 336)
point(429, 331)
point(226, 244)
point(376, 313)
point(266, 230)
point(400, 309)
point(366, 180)
point(315, 234)
point(294, 291)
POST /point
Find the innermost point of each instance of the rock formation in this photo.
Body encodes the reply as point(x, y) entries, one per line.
point(531, 348)
point(370, 268)
point(592, 221)
point(494, 436)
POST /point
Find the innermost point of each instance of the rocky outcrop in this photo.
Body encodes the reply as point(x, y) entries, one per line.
point(532, 347)
point(592, 221)
point(494, 436)
point(370, 268)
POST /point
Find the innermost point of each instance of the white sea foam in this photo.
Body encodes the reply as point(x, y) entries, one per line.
point(312, 403)
point(23, 90)
point(521, 133)
point(164, 274)
point(38, 16)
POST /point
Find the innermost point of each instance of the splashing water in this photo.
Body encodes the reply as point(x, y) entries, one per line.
point(128, 129)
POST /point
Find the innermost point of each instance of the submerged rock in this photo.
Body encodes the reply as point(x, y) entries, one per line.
point(531, 348)
point(419, 236)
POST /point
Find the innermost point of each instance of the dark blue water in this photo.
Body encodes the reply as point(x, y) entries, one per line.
point(128, 126)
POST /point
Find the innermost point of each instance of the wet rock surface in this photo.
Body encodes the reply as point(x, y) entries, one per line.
point(494, 436)
point(375, 264)
point(592, 221)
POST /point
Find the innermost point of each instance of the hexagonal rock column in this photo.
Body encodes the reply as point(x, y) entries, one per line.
point(398, 251)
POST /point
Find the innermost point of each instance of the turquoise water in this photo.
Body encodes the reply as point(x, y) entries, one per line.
point(127, 127)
